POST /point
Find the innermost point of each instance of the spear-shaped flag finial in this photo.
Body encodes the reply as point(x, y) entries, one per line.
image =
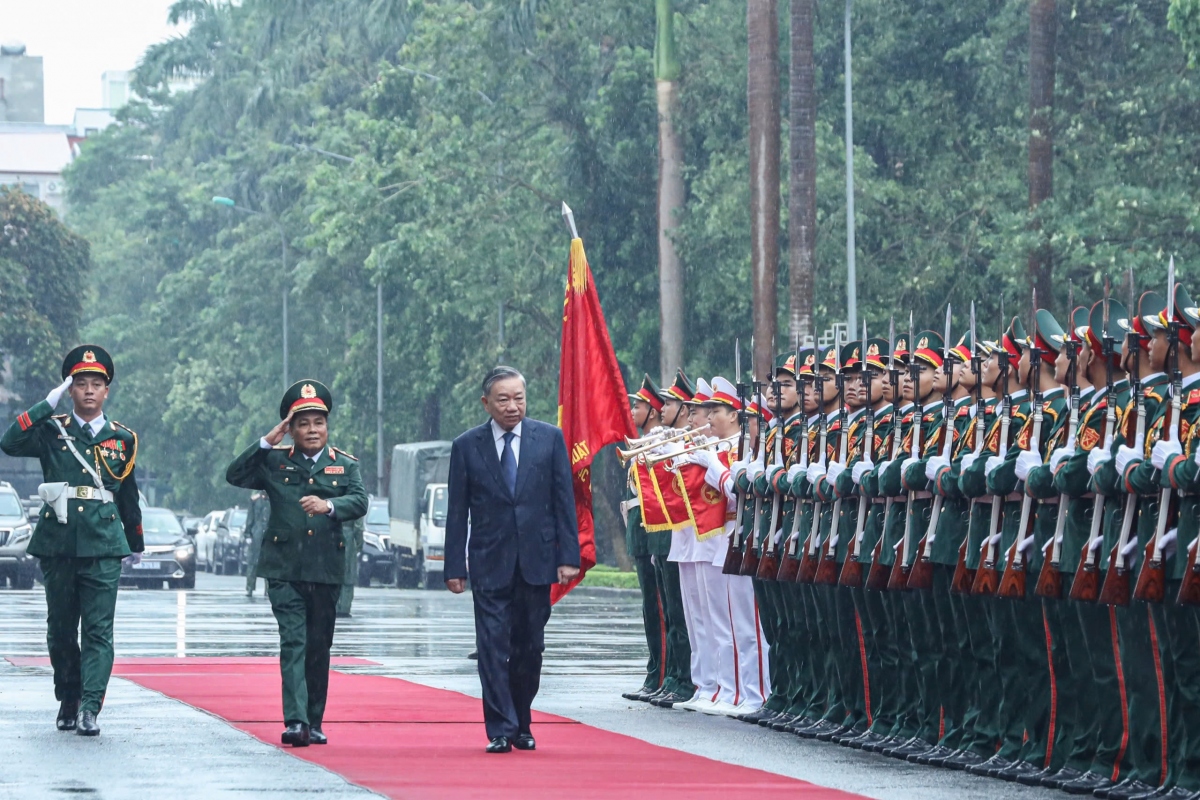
point(569, 218)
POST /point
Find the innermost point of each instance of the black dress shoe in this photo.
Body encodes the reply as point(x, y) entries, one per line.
point(811, 731)
point(829, 734)
point(315, 736)
point(932, 757)
point(1127, 790)
point(1166, 793)
point(1016, 770)
point(757, 717)
point(297, 734)
point(473, 655)
point(847, 736)
point(990, 767)
point(1087, 783)
point(911, 747)
point(499, 745)
point(781, 723)
point(669, 700)
point(85, 724)
point(1038, 777)
point(883, 744)
point(642, 695)
point(866, 740)
point(524, 741)
point(1057, 779)
point(67, 711)
point(962, 760)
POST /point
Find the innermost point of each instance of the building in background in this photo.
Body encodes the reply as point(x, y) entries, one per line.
point(22, 86)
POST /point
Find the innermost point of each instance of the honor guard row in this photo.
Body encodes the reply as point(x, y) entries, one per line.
point(968, 553)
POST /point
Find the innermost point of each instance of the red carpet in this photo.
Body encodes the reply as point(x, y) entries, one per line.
point(405, 740)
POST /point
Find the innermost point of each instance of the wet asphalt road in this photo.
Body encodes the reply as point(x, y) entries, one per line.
point(594, 652)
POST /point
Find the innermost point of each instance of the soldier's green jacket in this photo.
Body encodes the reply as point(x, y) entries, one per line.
point(299, 546)
point(953, 521)
point(1182, 473)
point(94, 529)
point(1039, 484)
point(1145, 484)
point(886, 478)
point(793, 442)
point(1072, 478)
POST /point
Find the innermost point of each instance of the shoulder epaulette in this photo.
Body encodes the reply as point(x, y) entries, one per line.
point(125, 428)
point(347, 455)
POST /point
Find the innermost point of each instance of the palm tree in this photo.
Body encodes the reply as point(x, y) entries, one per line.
point(762, 105)
point(1042, 31)
point(802, 175)
point(670, 193)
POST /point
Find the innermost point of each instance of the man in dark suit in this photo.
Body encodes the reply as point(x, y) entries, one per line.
point(510, 481)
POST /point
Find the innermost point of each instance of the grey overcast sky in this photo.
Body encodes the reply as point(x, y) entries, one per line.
point(79, 39)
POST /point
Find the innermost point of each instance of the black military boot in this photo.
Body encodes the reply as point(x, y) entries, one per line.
point(85, 724)
point(297, 734)
point(67, 711)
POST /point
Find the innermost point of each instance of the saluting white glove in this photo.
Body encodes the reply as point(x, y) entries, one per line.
point(57, 392)
point(1163, 452)
point(833, 470)
point(859, 470)
point(1060, 455)
point(1125, 456)
point(934, 465)
point(967, 461)
point(1026, 461)
point(1096, 459)
point(814, 472)
point(993, 463)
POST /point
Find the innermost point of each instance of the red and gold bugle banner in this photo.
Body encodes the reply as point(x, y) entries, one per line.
point(705, 505)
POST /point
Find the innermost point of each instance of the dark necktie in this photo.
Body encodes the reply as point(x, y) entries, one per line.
point(508, 463)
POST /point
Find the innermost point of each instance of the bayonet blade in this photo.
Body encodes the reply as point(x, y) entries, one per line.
point(1104, 308)
point(1171, 289)
point(946, 340)
point(569, 217)
point(891, 343)
point(737, 359)
point(973, 343)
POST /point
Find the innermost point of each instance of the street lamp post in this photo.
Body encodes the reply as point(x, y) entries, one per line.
point(228, 203)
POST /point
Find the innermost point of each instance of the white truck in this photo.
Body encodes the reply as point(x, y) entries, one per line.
point(417, 496)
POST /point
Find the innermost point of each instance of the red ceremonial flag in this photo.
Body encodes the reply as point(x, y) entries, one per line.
point(593, 409)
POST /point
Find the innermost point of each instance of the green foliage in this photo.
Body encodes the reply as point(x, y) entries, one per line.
point(469, 121)
point(45, 279)
point(1184, 19)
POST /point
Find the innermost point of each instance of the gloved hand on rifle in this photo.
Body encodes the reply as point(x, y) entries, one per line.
point(934, 465)
point(1096, 459)
point(1060, 455)
point(967, 461)
point(993, 464)
point(1162, 452)
point(794, 471)
point(753, 470)
point(833, 471)
point(1026, 461)
point(1126, 456)
point(859, 470)
point(815, 472)
point(908, 463)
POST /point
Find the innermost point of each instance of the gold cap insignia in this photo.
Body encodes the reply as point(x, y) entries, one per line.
point(923, 343)
point(873, 350)
point(962, 341)
point(901, 344)
point(790, 364)
point(855, 353)
point(810, 360)
point(307, 391)
point(89, 357)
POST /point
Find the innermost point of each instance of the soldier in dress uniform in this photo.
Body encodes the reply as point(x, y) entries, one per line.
point(314, 491)
point(89, 522)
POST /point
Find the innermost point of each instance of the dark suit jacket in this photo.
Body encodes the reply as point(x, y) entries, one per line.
point(535, 530)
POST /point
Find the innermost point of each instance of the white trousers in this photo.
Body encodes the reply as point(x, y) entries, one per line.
point(695, 615)
point(742, 670)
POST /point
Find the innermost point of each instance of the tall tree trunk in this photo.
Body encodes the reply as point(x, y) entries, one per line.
point(762, 105)
point(802, 175)
point(670, 194)
point(1042, 31)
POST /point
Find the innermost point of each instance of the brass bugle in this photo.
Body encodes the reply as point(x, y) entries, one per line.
point(652, 460)
point(625, 456)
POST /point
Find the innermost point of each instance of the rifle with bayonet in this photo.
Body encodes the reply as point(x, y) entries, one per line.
point(880, 574)
point(899, 578)
point(789, 565)
point(987, 576)
point(827, 568)
point(964, 576)
point(807, 572)
point(852, 569)
point(1012, 582)
point(921, 575)
point(768, 565)
point(1151, 584)
point(1115, 591)
point(1049, 582)
point(733, 556)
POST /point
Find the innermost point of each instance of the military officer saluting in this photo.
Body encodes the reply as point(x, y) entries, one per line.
point(314, 490)
point(90, 520)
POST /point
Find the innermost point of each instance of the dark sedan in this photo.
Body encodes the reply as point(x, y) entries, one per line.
point(170, 556)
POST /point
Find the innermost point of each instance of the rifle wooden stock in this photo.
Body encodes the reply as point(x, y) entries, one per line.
point(1049, 583)
point(807, 571)
point(1115, 591)
point(964, 576)
point(1189, 590)
point(1151, 586)
point(1012, 581)
point(880, 574)
point(750, 560)
point(920, 575)
point(733, 558)
point(827, 567)
point(789, 567)
point(768, 567)
point(987, 579)
point(852, 572)
point(1086, 586)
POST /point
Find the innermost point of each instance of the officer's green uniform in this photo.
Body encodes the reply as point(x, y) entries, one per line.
point(303, 555)
point(81, 558)
point(353, 536)
point(256, 525)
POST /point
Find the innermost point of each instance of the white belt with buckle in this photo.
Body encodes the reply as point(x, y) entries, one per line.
point(90, 493)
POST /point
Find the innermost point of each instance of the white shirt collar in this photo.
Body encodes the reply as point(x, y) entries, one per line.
point(1086, 392)
point(95, 426)
point(1153, 376)
point(1190, 379)
point(498, 432)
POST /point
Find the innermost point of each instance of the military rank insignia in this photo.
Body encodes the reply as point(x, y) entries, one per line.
point(335, 470)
